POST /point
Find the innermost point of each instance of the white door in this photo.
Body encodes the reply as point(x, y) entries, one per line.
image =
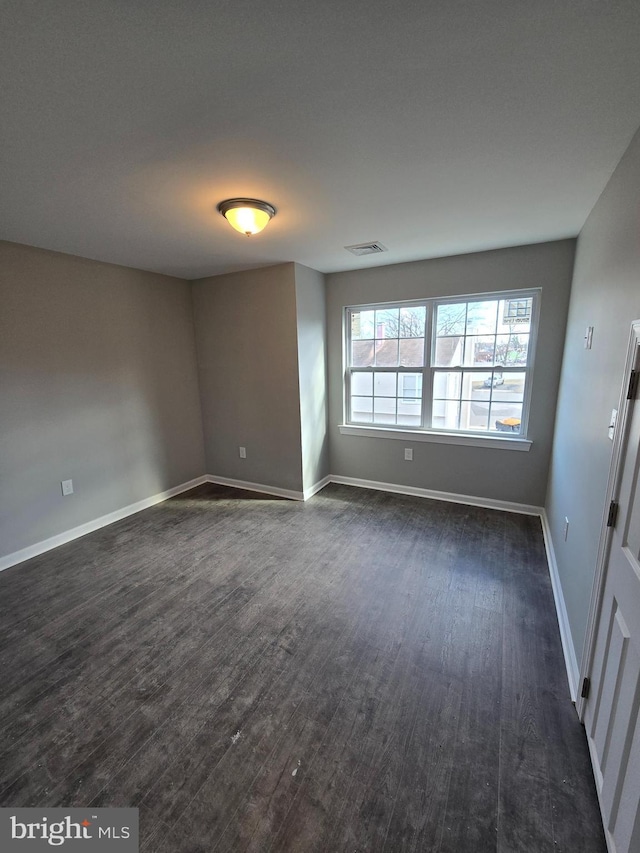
point(611, 711)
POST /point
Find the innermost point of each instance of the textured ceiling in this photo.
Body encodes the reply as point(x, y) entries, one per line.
point(433, 127)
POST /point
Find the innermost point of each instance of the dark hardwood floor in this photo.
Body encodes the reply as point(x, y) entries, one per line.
point(362, 672)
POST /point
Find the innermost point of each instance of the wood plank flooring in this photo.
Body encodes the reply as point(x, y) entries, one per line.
point(362, 672)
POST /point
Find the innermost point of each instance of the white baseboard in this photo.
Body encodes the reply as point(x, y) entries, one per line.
point(76, 532)
point(488, 503)
point(256, 487)
point(313, 490)
point(570, 659)
point(271, 490)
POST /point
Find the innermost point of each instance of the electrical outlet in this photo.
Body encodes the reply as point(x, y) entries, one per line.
point(67, 487)
point(408, 454)
point(566, 528)
point(243, 452)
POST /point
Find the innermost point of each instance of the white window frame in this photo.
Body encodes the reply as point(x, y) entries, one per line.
point(488, 438)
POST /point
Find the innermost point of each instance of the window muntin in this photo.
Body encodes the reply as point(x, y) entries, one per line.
point(460, 365)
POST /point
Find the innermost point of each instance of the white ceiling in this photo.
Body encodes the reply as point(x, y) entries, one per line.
point(435, 128)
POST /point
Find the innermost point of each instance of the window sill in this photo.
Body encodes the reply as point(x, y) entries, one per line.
point(493, 441)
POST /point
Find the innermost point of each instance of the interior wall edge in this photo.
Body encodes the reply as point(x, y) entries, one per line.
point(317, 487)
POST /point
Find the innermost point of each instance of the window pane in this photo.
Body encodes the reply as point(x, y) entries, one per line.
point(505, 417)
point(512, 388)
point(410, 412)
point(446, 414)
point(384, 410)
point(362, 353)
point(449, 352)
point(361, 325)
point(451, 319)
point(474, 415)
point(479, 350)
point(512, 350)
point(476, 386)
point(494, 380)
point(385, 384)
point(412, 352)
point(362, 409)
point(412, 321)
point(446, 385)
point(387, 353)
point(387, 322)
point(362, 384)
point(481, 317)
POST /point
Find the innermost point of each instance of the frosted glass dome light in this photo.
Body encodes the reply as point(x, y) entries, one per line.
point(247, 215)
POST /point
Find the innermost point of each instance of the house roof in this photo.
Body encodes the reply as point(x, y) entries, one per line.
point(390, 352)
point(434, 128)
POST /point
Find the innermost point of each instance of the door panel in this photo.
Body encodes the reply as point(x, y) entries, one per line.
point(612, 712)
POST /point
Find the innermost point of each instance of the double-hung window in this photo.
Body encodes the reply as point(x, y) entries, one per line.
point(460, 365)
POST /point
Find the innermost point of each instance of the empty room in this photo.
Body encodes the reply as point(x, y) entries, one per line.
point(319, 432)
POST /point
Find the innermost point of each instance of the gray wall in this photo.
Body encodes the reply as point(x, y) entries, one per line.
point(248, 369)
point(98, 384)
point(605, 295)
point(312, 366)
point(481, 472)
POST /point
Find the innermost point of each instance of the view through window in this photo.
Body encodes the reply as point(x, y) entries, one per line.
point(458, 365)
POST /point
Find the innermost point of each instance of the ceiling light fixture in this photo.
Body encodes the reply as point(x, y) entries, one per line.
point(247, 215)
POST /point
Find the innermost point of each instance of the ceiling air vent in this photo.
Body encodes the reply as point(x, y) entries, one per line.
point(366, 249)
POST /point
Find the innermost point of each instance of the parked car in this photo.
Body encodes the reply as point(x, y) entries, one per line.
point(494, 380)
